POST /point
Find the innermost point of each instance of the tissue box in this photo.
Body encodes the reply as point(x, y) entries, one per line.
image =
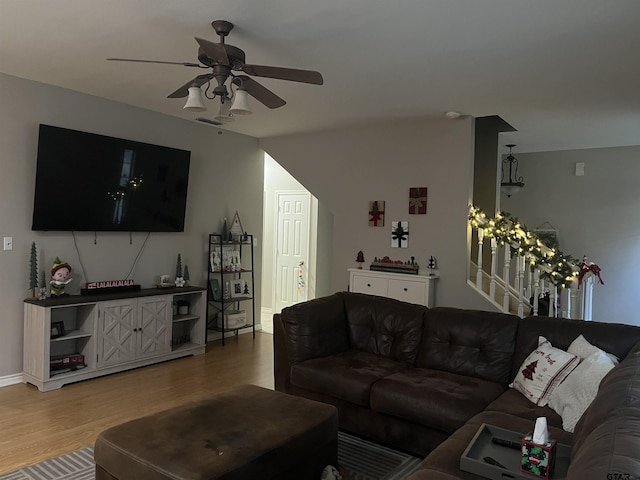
point(537, 459)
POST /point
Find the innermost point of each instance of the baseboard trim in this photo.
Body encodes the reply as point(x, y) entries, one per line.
point(11, 380)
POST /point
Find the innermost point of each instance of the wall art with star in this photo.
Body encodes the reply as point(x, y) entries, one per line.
point(418, 200)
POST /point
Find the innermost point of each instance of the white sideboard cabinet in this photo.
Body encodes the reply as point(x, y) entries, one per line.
point(401, 286)
point(112, 331)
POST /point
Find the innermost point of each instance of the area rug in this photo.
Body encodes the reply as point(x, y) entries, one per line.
point(363, 460)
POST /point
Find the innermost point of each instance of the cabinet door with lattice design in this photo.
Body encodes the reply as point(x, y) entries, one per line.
point(154, 326)
point(116, 335)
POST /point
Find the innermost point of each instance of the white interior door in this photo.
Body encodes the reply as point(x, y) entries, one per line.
point(292, 248)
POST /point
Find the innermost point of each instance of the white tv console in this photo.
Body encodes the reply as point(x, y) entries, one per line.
point(114, 332)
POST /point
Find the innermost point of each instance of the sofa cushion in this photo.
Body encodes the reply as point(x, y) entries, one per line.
point(445, 459)
point(542, 371)
point(316, 328)
point(582, 348)
point(514, 403)
point(439, 400)
point(347, 376)
point(384, 326)
point(573, 396)
point(606, 437)
point(469, 342)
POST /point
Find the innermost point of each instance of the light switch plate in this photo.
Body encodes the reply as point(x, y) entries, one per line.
point(8, 243)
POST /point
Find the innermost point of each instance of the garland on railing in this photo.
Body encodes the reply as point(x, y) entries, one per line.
point(556, 267)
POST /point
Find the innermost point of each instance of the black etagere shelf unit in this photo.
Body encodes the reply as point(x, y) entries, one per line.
point(231, 285)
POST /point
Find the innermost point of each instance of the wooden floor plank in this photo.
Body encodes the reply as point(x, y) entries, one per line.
point(35, 426)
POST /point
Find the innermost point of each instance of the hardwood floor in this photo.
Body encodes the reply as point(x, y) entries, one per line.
point(35, 426)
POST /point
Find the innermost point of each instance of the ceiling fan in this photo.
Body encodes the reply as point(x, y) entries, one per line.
point(224, 60)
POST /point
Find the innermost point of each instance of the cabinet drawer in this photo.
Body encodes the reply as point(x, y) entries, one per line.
point(408, 291)
point(370, 285)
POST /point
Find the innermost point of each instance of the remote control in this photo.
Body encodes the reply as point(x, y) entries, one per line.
point(506, 443)
point(493, 461)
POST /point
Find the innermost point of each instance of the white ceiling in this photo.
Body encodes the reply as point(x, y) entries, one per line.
point(564, 73)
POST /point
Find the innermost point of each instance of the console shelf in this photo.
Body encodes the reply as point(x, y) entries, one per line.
point(111, 332)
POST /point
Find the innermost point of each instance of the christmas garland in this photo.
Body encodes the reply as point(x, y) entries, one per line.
point(556, 267)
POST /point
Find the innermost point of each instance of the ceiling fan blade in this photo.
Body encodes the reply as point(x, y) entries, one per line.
point(214, 51)
point(292, 74)
point(184, 64)
point(259, 92)
point(183, 91)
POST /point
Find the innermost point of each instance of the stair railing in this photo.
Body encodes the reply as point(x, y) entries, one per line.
point(523, 270)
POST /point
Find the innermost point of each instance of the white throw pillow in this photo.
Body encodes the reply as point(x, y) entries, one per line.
point(582, 348)
point(542, 371)
point(572, 397)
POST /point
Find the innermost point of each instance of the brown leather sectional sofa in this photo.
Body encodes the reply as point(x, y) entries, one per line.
point(424, 380)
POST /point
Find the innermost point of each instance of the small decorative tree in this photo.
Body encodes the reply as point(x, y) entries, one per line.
point(33, 270)
point(186, 275)
point(179, 278)
point(179, 267)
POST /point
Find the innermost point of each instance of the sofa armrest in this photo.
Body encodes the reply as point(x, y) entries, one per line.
point(313, 329)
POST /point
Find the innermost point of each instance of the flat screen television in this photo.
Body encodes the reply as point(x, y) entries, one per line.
point(90, 182)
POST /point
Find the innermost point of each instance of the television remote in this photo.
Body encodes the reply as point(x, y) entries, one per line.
point(506, 443)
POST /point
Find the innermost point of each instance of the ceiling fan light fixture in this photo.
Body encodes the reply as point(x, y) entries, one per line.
point(194, 101)
point(224, 116)
point(240, 103)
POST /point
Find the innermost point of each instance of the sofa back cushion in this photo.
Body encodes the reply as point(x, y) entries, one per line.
point(607, 437)
point(316, 328)
point(384, 326)
point(614, 338)
point(469, 342)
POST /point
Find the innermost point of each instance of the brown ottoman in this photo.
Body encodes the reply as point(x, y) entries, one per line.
point(248, 432)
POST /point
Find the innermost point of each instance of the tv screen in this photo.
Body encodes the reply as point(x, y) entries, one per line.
point(90, 182)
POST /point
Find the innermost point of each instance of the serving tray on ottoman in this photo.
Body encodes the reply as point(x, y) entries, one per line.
point(481, 447)
point(248, 432)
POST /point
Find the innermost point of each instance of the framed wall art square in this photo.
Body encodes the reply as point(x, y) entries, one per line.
point(376, 213)
point(418, 200)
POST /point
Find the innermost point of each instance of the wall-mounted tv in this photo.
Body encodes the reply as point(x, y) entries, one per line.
point(90, 182)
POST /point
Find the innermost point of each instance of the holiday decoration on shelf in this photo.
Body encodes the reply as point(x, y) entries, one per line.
point(385, 264)
point(33, 270)
point(236, 228)
point(400, 234)
point(418, 200)
point(185, 275)
point(588, 267)
point(432, 265)
point(59, 278)
point(376, 213)
point(360, 259)
point(555, 266)
point(225, 231)
point(42, 295)
point(179, 278)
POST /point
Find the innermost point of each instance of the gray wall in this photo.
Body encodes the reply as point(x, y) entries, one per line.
point(347, 168)
point(226, 175)
point(597, 216)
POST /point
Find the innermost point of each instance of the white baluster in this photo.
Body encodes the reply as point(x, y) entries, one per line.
point(494, 266)
point(587, 284)
point(553, 302)
point(479, 272)
point(536, 289)
point(573, 292)
point(505, 273)
point(521, 285)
